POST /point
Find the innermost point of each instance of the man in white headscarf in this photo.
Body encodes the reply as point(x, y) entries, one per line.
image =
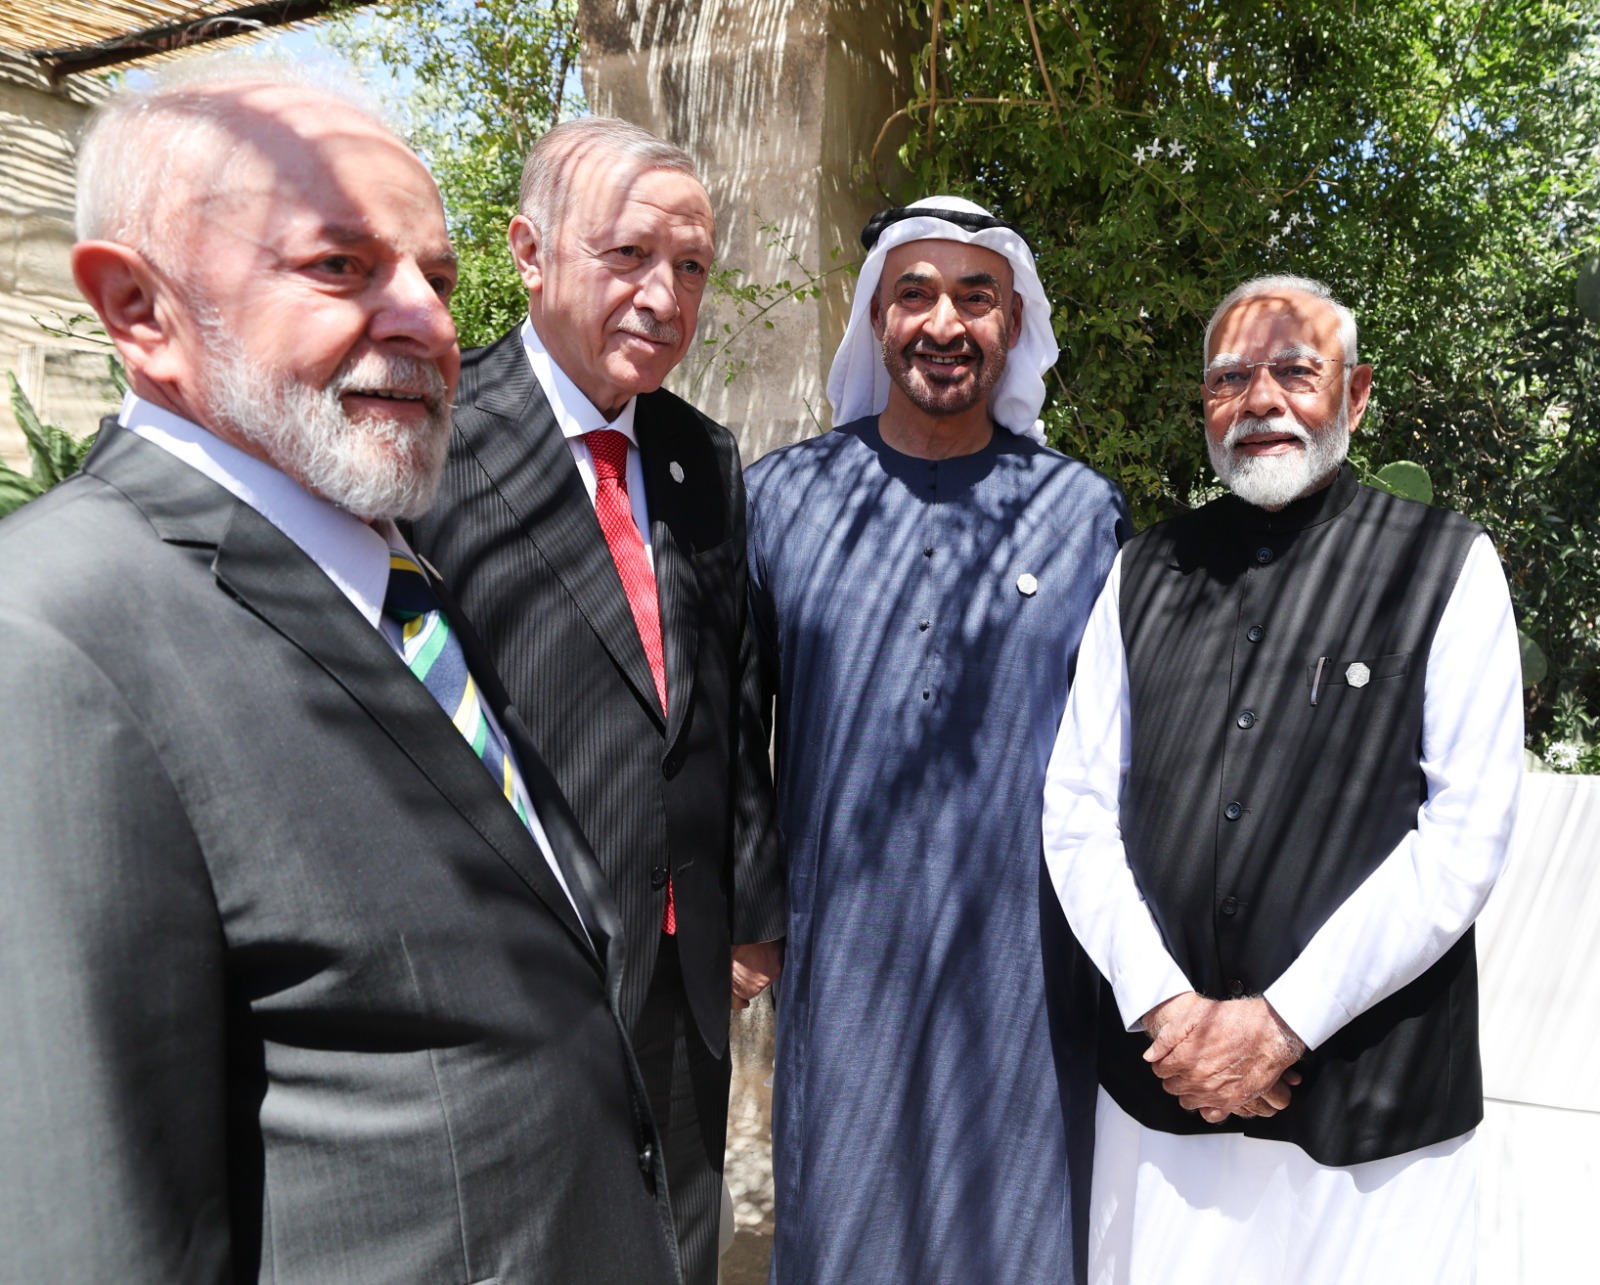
point(920, 577)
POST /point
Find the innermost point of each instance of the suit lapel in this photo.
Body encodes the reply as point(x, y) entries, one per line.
point(668, 497)
point(271, 576)
point(509, 427)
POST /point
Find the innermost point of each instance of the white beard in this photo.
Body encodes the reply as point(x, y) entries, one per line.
point(1272, 481)
point(374, 467)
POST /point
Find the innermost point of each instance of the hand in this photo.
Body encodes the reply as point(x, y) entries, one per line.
point(755, 967)
point(1273, 1100)
point(1220, 1056)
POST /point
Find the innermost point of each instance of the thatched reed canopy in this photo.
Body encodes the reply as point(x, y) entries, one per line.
point(67, 36)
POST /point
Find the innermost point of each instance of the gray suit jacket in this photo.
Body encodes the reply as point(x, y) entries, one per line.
point(287, 992)
point(515, 535)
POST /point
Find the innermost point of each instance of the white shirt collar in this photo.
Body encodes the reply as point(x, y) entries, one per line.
point(352, 554)
point(573, 410)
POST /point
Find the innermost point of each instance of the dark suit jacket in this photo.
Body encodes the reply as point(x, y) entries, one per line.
point(515, 534)
point(287, 990)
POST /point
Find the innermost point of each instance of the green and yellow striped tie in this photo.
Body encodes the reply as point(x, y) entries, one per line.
point(433, 653)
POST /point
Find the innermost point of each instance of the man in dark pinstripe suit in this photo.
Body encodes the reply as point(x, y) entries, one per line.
point(624, 640)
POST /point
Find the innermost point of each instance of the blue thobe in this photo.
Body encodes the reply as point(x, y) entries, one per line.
point(920, 621)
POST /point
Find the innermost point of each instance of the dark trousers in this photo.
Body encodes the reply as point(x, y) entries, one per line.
point(689, 1098)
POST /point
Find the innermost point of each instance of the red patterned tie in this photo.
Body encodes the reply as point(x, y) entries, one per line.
point(609, 450)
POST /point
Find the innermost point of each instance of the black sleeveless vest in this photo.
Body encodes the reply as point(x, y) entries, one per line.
point(1251, 813)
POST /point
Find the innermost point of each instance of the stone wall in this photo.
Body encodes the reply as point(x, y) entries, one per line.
point(67, 380)
point(780, 101)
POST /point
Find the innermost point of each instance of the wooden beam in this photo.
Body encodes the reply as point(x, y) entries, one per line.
point(179, 35)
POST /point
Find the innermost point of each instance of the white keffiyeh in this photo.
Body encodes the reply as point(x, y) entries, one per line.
point(858, 383)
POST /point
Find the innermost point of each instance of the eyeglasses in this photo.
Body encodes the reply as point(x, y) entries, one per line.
point(1305, 373)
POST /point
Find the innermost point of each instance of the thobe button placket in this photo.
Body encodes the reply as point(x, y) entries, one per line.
point(1246, 719)
point(1233, 811)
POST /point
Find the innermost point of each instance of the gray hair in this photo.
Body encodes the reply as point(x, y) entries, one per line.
point(1276, 285)
point(141, 144)
point(546, 193)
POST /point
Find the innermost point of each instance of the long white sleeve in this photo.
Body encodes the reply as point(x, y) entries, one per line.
point(1082, 833)
point(1427, 892)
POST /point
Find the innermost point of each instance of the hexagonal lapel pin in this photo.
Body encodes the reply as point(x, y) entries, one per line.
point(1357, 675)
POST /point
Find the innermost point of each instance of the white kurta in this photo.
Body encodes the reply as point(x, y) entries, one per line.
point(1229, 1208)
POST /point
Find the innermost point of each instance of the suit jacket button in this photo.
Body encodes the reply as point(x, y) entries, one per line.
point(1233, 811)
point(1229, 906)
point(658, 877)
point(671, 764)
point(1255, 633)
point(1263, 555)
point(1246, 719)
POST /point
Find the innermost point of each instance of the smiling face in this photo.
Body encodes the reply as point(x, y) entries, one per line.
point(946, 316)
point(614, 293)
point(305, 318)
point(1269, 445)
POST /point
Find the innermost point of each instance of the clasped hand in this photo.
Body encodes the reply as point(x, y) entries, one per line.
point(1223, 1057)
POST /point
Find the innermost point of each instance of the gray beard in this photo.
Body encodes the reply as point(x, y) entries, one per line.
point(374, 467)
point(1272, 481)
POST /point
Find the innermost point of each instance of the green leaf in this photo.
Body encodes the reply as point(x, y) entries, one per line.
point(1407, 480)
point(1534, 664)
point(16, 489)
point(56, 453)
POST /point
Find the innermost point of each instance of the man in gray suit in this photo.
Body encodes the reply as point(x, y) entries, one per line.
point(291, 987)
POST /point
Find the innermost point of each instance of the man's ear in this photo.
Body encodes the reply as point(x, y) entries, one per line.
point(1360, 391)
point(875, 315)
point(1016, 320)
point(128, 296)
point(526, 243)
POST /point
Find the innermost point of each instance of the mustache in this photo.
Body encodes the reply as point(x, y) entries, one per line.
point(395, 374)
point(647, 326)
point(1248, 425)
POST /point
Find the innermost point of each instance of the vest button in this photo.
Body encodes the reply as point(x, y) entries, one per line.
point(1233, 811)
point(1255, 633)
point(1246, 719)
point(1229, 906)
point(1263, 555)
point(658, 877)
point(1236, 987)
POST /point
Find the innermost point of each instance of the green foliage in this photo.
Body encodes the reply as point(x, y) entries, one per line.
point(1433, 161)
point(55, 453)
point(481, 79)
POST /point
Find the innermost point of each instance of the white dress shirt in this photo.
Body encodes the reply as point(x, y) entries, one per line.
point(350, 553)
point(577, 415)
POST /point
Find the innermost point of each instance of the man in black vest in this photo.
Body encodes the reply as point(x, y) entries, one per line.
point(1282, 790)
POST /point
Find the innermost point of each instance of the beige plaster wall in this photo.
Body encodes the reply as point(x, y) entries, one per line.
point(780, 102)
point(67, 380)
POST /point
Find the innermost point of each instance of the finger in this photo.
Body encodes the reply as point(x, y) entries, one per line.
point(739, 1002)
point(1213, 1115)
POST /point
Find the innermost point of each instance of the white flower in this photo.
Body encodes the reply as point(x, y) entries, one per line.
point(1138, 156)
point(1174, 148)
point(1143, 315)
point(1272, 216)
point(1294, 217)
point(1310, 222)
point(1272, 241)
point(1188, 165)
point(1562, 755)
